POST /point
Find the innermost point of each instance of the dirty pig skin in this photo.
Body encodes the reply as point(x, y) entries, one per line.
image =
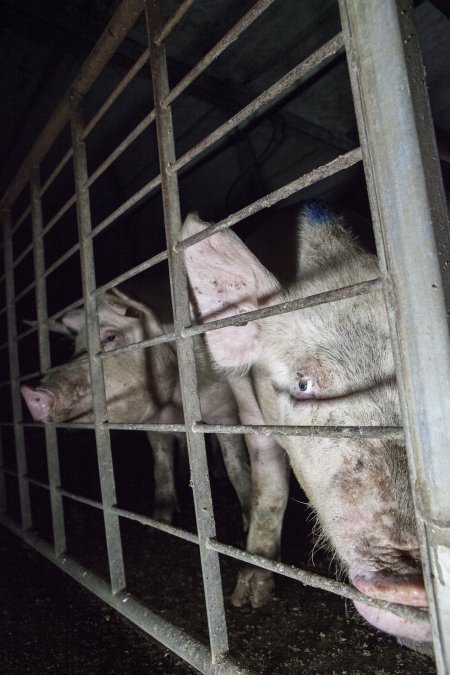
point(331, 364)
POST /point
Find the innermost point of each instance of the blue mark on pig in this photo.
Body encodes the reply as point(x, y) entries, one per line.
point(316, 214)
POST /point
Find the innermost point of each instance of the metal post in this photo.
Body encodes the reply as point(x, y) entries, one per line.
point(3, 503)
point(108, 488)
point(196, 442)
point(24, 490)
point(410, 221)
point(54, 476)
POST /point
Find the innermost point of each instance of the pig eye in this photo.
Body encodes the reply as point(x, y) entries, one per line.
point(110, 341)
point(305, 387)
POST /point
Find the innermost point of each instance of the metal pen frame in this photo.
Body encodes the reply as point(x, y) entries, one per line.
point(408, 210)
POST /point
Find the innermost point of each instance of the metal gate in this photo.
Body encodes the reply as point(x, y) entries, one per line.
point(408, 210)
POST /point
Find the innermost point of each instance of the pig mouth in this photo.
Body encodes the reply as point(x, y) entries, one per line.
point(405, 589)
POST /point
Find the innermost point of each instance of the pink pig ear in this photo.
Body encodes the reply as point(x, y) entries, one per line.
point(226, 279)
point(73, 321)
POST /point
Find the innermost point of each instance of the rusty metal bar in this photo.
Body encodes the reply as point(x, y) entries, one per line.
point(317, 581)
point(54, 474)
point(237, 320)
point(157, 525)
point(324, 171)
point(395, 433)
point(56, 171)
point(119, 149)
point(167, 633)
point(188, 378)
point(64, 208)
point(300, 73)
point(258, 8)
point(142, 60)
point(68, 254)
point(411, 226)
point(112, 528)
point(173, 21)
point(151, 262)
point(362, 288)
point(25, 290)
point(121, 22)
point(24, 492)
point(22, 255)
point(126, 205)
point(21, 220)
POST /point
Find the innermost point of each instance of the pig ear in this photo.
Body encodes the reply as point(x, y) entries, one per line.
point(121, 303)
point(53, 326)
point(227, 279)
point(126, 306)
point(72, 322)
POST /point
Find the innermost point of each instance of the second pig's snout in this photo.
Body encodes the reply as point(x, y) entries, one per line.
point(39, 402)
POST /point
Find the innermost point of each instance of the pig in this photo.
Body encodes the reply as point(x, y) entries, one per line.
point(140, 386)
point(331, 364)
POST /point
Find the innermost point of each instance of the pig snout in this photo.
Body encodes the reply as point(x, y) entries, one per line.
point(404, 588)
point(39, 402)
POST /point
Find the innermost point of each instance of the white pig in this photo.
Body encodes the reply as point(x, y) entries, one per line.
point(140, 386)
point(331, 364)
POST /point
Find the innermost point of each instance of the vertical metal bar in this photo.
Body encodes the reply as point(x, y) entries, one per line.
point(196, 442)
point(24, 491)
point(108, 488)
point(3, 504)
point(408, 208)
point(54, 475)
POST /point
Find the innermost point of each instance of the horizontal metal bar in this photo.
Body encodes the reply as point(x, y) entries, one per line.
point(23, 378)
point(317, 581)
point(232, 35)
point(25, 291)
point(9, 472)
point(133, 71)
point(124, 426)
point(121, 22)
point(135, 346)
point(335, 295)
point(172, 22)
point(172, 637)
point(56, 171)
point(156, 524)
point(38, 483)
point(78, 498)
point(22, 218)
point(324, 171)
point(128, 204)
point(300, 72)
point(242, 319)
point(64, 208)
point(255, 429)
point(22, 255)
point(121, 147)
point(64, 258)
point(395, 433)
point(151, 262)
point(27, 332)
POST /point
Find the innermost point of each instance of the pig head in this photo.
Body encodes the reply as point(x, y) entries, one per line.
point(139, 384)
point(331, 364)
